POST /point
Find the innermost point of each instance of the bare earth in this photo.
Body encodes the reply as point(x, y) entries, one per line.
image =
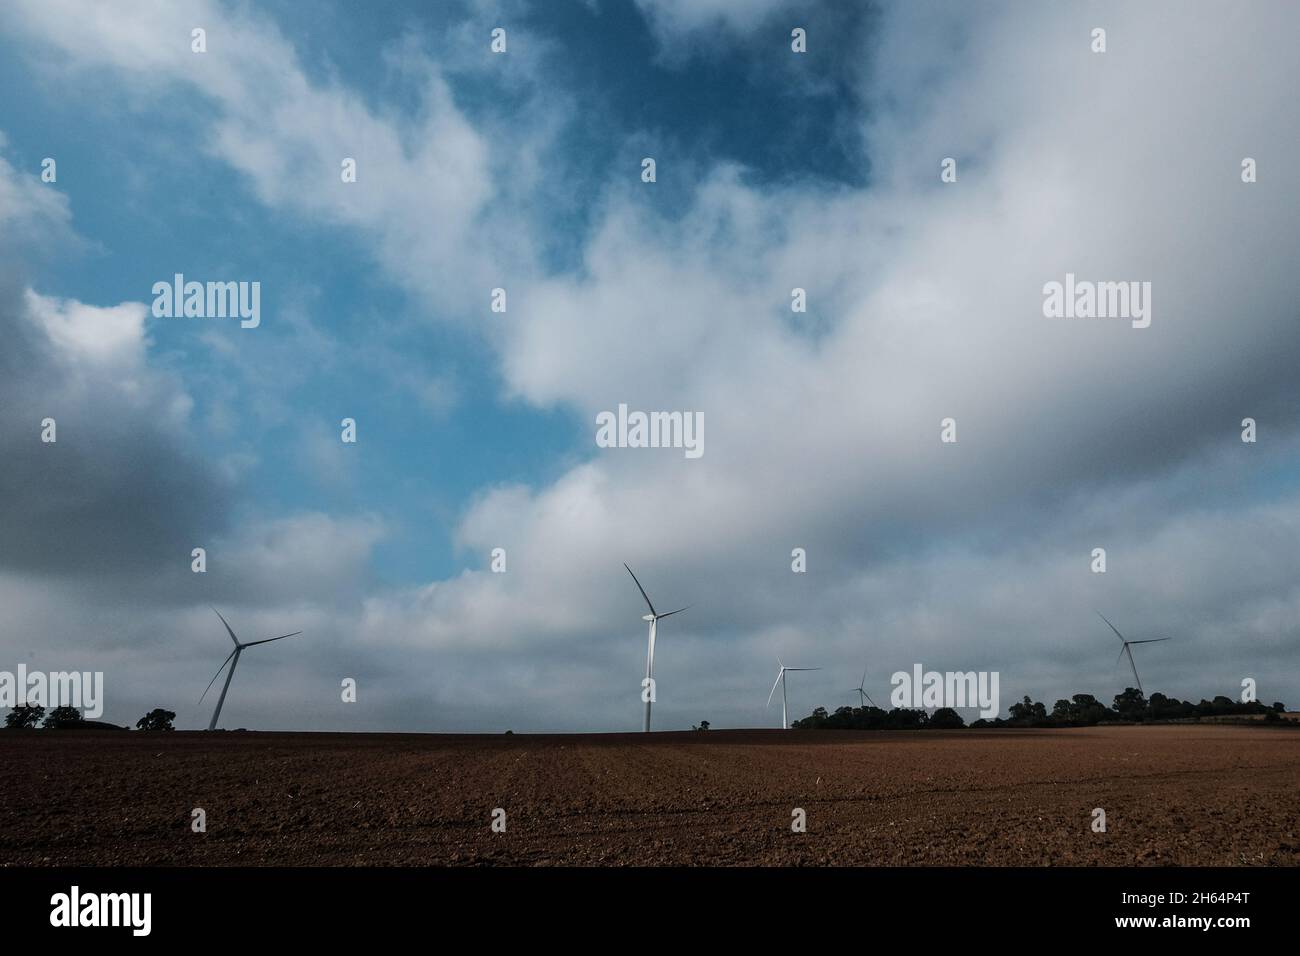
point(1182, 795)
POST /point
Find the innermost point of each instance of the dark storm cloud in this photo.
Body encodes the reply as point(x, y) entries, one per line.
point(120, 491)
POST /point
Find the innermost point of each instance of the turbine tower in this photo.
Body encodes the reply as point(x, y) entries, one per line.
point(1125, 649)
point(233, 661)
point(780, 679)
point(654, 618)
point(861, 690)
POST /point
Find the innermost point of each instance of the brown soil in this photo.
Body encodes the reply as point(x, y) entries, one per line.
point(1212, 795)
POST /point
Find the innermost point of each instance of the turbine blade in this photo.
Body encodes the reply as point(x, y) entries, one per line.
point(869, 700)
point(216, 675)
point(1121, 656)
point(1151, 640)
point(270, 639)
point(642, 590)
point(1112, 627)
point(228, 630)
point(671, 613)
point(803, 668)
point(863, 682)
point(779, 675)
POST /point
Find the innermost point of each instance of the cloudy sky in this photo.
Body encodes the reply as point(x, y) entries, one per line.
point(476, 429)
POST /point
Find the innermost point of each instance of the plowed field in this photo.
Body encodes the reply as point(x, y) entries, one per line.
point(1211, 795)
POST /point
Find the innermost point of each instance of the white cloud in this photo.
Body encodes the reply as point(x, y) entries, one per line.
point(112, 336)
point(1099, 166)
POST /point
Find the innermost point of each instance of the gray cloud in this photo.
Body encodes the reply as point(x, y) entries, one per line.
point(121, 490)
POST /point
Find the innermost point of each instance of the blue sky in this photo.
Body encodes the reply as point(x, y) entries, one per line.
point(146, 208)
point(776, 170)
point(148, 204)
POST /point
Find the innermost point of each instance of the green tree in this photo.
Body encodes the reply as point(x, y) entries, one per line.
point(62, 718)
point(156, 719)
point(1027, 711)
point(1131, 705)
point(945, 718)
point(24, 718)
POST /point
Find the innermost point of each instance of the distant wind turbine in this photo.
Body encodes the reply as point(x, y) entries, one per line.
point(861, 691)
point(1126, 649)
point(654, 617)
point(233, 661)
point(780, 679)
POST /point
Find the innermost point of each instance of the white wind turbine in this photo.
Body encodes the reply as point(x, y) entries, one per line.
point(780, 679)
point(653, 617)
point(233, 661)
point(1125, 649)
point(861, 691)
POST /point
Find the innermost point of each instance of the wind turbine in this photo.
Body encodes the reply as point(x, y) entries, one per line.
point(1125, 649)
point(233, 661)
point(653, 617)
point(861, 691)
point(780, 679)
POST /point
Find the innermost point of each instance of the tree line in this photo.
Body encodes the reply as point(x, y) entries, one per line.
point(29, 717)
point(1081, 710)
